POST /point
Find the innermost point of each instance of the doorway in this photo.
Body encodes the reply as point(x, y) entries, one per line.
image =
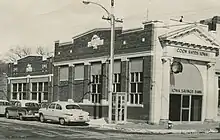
point(185, 107)
point(119, 107)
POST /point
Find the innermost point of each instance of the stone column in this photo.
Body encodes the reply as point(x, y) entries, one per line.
point(165, 99)
point(87, 84)
point(211, 96)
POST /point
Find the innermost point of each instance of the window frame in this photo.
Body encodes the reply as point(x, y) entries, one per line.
point(136, 96)
point(66, 78)
point(95, 97)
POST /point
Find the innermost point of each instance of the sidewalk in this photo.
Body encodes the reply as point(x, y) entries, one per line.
point(156, 129)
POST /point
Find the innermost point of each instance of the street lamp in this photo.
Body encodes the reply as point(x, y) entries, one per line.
point(111, 17)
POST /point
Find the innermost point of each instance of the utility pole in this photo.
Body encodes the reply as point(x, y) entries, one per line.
point(112, 19)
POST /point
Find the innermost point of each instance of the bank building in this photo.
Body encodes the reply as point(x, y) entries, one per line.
point(161, 72)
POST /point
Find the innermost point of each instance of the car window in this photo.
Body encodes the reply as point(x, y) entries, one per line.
point(58, 107)
point(31, 104)
point(18, 104)
point(51, 106)
point(72, 107)
point(6, 103)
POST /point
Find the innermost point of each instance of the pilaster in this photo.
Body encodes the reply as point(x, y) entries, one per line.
point(125, 76)
point(211, 96)
point(71, 81)
point(87, 79)
point(56, 83)
point(165, 93)
point(104, 96)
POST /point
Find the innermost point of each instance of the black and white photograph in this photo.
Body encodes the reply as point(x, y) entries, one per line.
point(110, 70)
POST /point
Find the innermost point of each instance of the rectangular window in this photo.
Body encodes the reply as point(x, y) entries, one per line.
point(34, 86)
point(24, 87)
point(64, 73)
point(117, 82)
point(40, 86)
point(45, 86)
point(14, 95)
point(96, 89)
point(79, 72)
point(136, 87)
point(14, 87)
point(34, 96)
point(19, 86)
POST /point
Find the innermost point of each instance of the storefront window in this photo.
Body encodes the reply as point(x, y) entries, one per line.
point(185, 107)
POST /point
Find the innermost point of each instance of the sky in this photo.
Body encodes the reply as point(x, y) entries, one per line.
point(33, 23)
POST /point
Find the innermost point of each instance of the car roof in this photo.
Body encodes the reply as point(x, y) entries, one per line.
point(64, 103)
point(27, 101)
point(3, 101)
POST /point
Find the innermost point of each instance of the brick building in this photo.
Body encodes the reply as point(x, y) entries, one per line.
point(30, 79)
point(151, 71)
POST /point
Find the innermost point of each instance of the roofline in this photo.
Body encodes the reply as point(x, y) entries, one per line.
point(93, 30)
point(132, 30)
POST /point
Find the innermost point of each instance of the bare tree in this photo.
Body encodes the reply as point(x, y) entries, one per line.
point(43, 51)
point(17, 52)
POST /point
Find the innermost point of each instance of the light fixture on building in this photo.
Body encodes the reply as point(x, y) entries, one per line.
point(176, 67)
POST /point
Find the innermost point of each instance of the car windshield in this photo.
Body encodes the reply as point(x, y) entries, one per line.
point(72, 107)
point(31, 105)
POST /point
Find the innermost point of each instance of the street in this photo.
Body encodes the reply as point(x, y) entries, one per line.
point(32, 130)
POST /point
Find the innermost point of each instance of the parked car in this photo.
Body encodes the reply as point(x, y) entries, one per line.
point(63, 112)
point(23, 109)
point(3, 105)
point(44, 104)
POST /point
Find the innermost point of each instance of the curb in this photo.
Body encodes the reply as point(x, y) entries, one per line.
point(154, 131)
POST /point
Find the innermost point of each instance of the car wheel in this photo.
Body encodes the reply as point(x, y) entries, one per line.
point(62, 121)
point(21, 117)
point(7, 115)
point(42, 118)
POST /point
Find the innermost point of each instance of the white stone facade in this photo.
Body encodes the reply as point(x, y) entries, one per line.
point(193, 47)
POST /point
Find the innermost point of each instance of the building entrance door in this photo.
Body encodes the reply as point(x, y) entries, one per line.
point(185, 107)
point(119, 107)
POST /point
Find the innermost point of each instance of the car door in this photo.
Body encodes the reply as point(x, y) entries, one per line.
point(48, 114)
point(57, 112)
point(2, 108)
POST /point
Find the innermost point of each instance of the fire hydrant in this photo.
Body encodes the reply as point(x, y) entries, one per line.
point(169, 125)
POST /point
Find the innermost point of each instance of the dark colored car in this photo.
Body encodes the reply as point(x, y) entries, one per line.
point(23, 109)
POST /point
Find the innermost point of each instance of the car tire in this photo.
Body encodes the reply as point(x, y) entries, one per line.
point(62, 121)
point(7, 115)
point(42, 119)
point(21, 118)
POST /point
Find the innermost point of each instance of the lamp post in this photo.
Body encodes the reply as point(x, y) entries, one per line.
point(110, 17)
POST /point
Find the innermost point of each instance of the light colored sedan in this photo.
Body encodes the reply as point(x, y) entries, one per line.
point(3, 105)
point(63, 112)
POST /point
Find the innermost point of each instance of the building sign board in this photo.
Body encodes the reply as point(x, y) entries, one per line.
point(192, 52)
point(185, 91)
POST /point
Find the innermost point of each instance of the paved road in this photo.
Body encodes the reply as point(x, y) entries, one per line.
point(12, 129)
